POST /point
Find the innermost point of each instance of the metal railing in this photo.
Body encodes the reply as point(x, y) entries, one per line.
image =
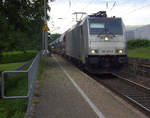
point(32, 75)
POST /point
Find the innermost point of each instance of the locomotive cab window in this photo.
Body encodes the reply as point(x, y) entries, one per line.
point(103, 26)
point(96, 27)
point(114, 27)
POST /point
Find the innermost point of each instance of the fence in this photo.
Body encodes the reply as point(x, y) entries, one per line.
point(31, 77)
point(139, 66)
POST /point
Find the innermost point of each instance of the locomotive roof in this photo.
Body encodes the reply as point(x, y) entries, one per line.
point(104, 17)
point(96, 18)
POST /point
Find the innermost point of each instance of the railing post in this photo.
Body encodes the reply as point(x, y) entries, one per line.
point(2, 85)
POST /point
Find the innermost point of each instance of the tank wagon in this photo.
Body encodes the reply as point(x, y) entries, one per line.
point(54, 46)
point(96, 41)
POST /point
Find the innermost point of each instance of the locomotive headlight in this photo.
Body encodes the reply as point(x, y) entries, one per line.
point(93, 51)
point(106, 38)
point(120, 51)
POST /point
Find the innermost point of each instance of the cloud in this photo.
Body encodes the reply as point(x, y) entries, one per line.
point(133, 12)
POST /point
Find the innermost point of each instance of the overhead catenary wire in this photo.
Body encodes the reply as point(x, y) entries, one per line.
point(81, 12)
point(117, 4)
point(90, 3)
point(107, 5)
point(113, 5)
point(131, 8)
point(66, 14)
point(72, 4)
point(137, 9)
point(110, 6)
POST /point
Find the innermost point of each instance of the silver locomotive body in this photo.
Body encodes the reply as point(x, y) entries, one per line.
point(96, 41)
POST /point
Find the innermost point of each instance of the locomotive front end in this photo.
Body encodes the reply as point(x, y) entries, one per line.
point(107, 42)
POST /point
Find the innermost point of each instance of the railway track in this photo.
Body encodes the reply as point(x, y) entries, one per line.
point(133, 88)
point(133, 92)
point(137, 81)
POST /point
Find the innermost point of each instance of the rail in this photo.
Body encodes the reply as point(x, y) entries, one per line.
point(137, 85)
point(133, 92)
point(31, 73)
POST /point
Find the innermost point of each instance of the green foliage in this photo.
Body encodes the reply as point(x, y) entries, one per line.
point(10, 66)
point(138, 43)
point(138, 48)
point(14, 108)
point(17, 56)
point(21, 23)
point(41, 67)
point(53, 36)
point(16, 85)
point(139, 52)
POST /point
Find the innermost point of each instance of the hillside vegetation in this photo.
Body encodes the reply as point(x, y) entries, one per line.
point(138, 48)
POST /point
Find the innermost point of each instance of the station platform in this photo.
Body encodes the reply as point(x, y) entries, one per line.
point(66, 92)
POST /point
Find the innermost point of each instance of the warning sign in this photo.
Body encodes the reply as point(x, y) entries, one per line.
point(45, 28)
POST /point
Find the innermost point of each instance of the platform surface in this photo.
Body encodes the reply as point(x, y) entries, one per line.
point(59, 98)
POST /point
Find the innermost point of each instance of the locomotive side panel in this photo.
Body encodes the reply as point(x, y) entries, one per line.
point(85, 41)
point(74, 43)
point(77, 42)
point(68, 43)
point(82, 47)
point(124, 36)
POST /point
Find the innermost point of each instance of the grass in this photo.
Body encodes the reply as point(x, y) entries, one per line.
point(42, 65)
point(19, 52)
point(10, 66)
point(139, 53)
point(17, 85)
point(13, 108)
point(17, 56)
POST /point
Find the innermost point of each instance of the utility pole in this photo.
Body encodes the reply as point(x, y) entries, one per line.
point(45, 30)
point(44, 40)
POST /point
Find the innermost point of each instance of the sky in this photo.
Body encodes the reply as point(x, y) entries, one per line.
point(133, 12)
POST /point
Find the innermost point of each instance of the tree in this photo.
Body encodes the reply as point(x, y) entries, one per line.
point(21, 24)
point(52, 37)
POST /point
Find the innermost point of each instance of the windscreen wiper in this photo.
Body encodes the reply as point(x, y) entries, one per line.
point(98, 35)
point(102, 31)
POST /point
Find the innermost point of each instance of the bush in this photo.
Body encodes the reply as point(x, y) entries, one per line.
point(14, 108)
point(138, 43)
point(14, 85)
point(13, 57)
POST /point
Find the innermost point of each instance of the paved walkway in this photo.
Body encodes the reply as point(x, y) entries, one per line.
point(59, 98)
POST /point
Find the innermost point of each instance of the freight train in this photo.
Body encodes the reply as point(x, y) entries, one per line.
point(97, 41)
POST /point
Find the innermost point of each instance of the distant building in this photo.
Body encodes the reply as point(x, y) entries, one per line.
point(138, 33)
point(130, 34)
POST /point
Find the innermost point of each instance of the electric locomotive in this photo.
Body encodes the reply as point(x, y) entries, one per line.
point(97, 41)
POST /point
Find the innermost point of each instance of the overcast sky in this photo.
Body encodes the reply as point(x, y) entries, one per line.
point(133, 12)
